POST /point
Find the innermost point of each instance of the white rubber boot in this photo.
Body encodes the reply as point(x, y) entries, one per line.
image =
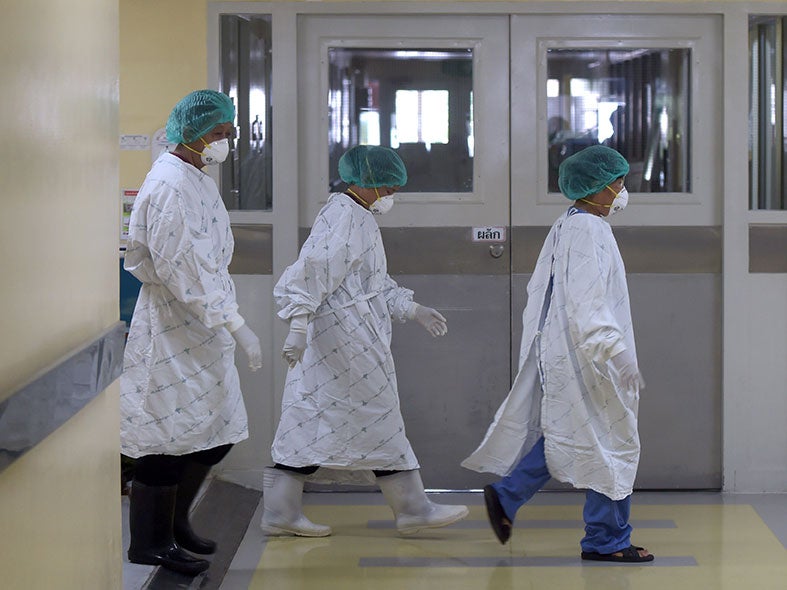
point(404, 492)
point(282, 496)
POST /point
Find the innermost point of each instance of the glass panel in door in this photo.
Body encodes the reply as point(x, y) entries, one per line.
point(635, 100)
point(417, 101)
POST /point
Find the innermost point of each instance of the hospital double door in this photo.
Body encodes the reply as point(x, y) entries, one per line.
point(482, 108)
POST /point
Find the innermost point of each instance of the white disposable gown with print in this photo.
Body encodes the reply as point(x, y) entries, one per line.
point(179, 391)
point(340, 408)
point(576, 401)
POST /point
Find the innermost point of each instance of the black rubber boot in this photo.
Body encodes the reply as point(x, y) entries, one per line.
point(193, 476)
point(152, 541)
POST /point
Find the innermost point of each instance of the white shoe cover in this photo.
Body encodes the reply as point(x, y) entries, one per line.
point(282, 496)
point(404, 492)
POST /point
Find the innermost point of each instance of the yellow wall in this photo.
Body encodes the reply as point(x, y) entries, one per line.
point(60, 503)
point(60, 507)
point(163, 57)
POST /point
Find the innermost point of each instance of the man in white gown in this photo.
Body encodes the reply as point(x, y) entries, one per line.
point(572, 411)
point(340, 410)
point(181, 406)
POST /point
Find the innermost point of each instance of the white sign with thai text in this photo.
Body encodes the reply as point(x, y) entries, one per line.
point(489, 234)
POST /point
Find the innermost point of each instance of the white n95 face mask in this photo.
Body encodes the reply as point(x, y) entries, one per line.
point(619, 202)
point(382, 205)
point(215, 152)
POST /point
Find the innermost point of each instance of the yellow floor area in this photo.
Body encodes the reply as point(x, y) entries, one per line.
point(697, 546)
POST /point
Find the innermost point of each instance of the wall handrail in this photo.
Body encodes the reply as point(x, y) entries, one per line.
point(58, 393)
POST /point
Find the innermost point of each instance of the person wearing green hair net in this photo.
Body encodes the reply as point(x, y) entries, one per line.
point(572, 411)
point(180, 400)
point(340, 419)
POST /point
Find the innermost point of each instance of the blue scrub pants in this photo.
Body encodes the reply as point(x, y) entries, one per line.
point(606, 521)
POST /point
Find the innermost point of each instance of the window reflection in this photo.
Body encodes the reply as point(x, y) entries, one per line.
point(768, 113)
point(418, 102)
point(635, 101)
point(421, 116)
point(246, 176)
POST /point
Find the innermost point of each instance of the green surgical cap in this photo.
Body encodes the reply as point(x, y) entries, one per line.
point(372, 166)
point(590, 170)
point(197, 113)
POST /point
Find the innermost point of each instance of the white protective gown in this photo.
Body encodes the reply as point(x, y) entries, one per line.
point(589, 422)
point(340, 408)
point(179, 391)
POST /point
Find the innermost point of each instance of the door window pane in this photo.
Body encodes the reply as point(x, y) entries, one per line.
point(246, 175)
point(636, 101)
point(418, 102)
point(768, 113)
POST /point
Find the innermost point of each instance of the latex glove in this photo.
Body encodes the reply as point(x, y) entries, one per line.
point(250, 344)
point(625, 365)
point(431, 319)
point(295, 343)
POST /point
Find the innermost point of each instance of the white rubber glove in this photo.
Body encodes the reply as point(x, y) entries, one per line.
point(295, 343)
point(625, 365)
point(250, 344)
point(431, 319)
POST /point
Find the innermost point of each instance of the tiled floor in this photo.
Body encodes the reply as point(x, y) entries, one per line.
point(701, 540)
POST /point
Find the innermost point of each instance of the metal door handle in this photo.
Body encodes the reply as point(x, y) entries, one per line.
point(496, 250)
